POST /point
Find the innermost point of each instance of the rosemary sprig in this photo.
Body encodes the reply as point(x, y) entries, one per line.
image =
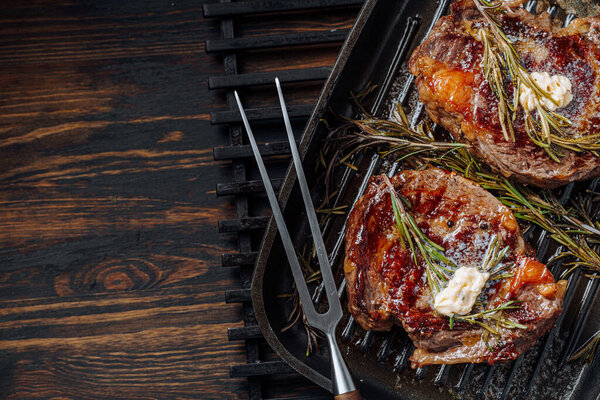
point(438, 267)
point(588, 350)
point(494, 255)
point(485, 337)
point(501, 62)
point(493, 319)
point(493, 66)
point(399, 139)
point(492, 260)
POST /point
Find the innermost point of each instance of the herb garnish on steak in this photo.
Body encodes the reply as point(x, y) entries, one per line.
point(387, 284)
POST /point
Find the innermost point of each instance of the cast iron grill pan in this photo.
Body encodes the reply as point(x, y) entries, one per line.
point(376, 51)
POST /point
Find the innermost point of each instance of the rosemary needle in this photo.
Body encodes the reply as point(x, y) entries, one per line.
point(493, 319)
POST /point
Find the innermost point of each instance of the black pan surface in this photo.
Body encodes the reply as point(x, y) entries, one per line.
point(376, 51)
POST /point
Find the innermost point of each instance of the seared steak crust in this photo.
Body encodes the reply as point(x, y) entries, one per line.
point(449, 77)
point(386, 287)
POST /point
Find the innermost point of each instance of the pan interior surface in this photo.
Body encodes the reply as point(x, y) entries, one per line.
point(384, 36)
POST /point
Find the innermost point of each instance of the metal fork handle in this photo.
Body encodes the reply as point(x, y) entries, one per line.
point(340, 375)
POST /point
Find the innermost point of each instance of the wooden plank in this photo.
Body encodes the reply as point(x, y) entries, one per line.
point(233, 259)
point(245, 151)
point(260, 114)
point(237, 295)
point(270, 6)
point(242, 224)
point(254, 186)
point(263, 368)
point(244, 332)
point(267, 78)
point(276, 41)
point(110, 276)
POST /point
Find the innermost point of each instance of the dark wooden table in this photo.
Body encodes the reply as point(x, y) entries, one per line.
point(111, 284)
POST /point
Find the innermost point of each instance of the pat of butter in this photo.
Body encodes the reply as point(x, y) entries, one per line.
point(558, 86)
point(462, 291)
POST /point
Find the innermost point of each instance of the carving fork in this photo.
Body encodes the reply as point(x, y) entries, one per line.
point(343, 385)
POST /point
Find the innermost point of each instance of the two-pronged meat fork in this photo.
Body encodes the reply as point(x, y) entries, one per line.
point(343, 386)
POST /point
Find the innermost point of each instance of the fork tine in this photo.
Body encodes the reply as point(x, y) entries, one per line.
point(307, 304)
point(334, 304)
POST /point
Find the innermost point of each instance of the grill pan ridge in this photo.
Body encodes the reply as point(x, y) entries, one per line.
point(376, 51)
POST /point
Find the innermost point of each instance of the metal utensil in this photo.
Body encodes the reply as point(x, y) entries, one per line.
point(343, 386)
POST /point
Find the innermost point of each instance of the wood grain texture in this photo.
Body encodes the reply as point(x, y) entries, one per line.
point(354, 395)
point(111, 284)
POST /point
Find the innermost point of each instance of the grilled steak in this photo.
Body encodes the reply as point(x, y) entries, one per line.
point(451, 84)
point(386, 287)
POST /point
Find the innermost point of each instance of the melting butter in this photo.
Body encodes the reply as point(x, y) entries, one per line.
point(461, 292)
point(558, 86)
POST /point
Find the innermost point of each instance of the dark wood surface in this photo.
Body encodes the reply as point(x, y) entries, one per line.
point(111, 284)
